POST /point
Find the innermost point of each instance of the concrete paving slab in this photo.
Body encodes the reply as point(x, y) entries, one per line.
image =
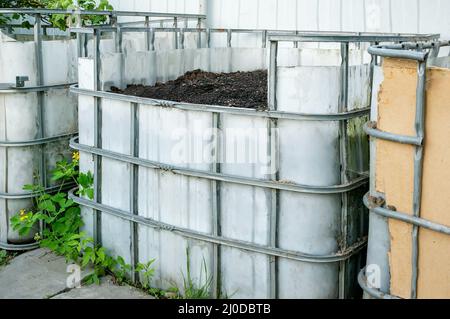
point(40, 274)
point(35, 275)
point(106, 290)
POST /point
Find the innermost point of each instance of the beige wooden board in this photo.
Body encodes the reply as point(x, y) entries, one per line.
point(395, 169)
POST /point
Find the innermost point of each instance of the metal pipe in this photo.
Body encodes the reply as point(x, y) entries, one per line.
point(223, 109)
point(97, 140)
point(293, 187)
point(392, 53)
point(273, 151)
point(249, 246)
point(134, 183)
point(418, 169)
point(215, 195)
point(175, 26)
point(404, 217)
point(40, 97)
point(343, 107)
point(51, 189)
point(370, 130)
point(376, 293)
point(108, 13)
point(36, 142)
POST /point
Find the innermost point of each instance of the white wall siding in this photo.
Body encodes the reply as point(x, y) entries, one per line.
point(178, 6)
point(337, 15)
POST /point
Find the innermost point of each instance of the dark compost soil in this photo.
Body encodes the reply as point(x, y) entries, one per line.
point(238, 89)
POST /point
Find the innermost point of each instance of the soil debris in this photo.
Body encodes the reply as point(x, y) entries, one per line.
point(237, 89)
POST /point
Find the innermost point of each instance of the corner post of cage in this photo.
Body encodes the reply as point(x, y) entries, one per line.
point(343, 107)
point(273, 152)
point(216, 205)
point(40, 101)
point(97, 216)
point(134, 190)
point(419, 126)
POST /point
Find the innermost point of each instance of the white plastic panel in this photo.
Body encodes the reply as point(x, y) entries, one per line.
point(19, 119)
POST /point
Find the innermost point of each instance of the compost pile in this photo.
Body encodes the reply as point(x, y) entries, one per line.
point(238, 89)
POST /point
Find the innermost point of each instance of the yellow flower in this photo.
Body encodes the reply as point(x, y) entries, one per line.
point(37, 237)
point(22, 212)
point(76, 156)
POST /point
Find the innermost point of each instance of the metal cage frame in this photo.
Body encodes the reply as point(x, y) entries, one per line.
point(216, 176)
point(419, 52)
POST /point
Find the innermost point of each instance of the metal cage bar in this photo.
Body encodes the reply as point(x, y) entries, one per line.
point(403, 51)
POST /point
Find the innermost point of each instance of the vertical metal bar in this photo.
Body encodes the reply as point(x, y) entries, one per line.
point(264, 39)
point(418, 168)
point(40, 95)
point(97, 140)
point(118, 48)
point(147, 33)
point(182, 39)
point(295, 42)
point(85, 45)
point(273, 74)
point(229, 34)
point(40, 103)
point(343, 107)
point(435, 50)
point(373, 61)
point(175, 25)
point(208, 38)
point(199, 40)
point(134, 151)
point(215, 189)
point(272, 153)
point(152, 39)
point(80, 36)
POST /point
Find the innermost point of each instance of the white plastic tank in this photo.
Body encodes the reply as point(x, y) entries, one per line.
point(223, 214)
point(36, 121)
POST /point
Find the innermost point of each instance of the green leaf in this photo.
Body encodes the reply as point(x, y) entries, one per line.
point(47, 205)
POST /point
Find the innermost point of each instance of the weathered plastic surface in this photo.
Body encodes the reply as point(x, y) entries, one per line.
point(19, 120)
point(309, 154)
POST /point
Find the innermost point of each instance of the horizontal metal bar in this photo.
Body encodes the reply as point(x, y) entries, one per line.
point(50, 190)
point(281, 185)
point(400, 54)
point(410, 219)
point(376, 293)
point(351, 37)
point(224, 109)
point(39, 88)
point(188, 233)
point(18, 247)
point(280, 35)
point(369, 129)
point(35, 142)
point(102, 12)
point(414, 45)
